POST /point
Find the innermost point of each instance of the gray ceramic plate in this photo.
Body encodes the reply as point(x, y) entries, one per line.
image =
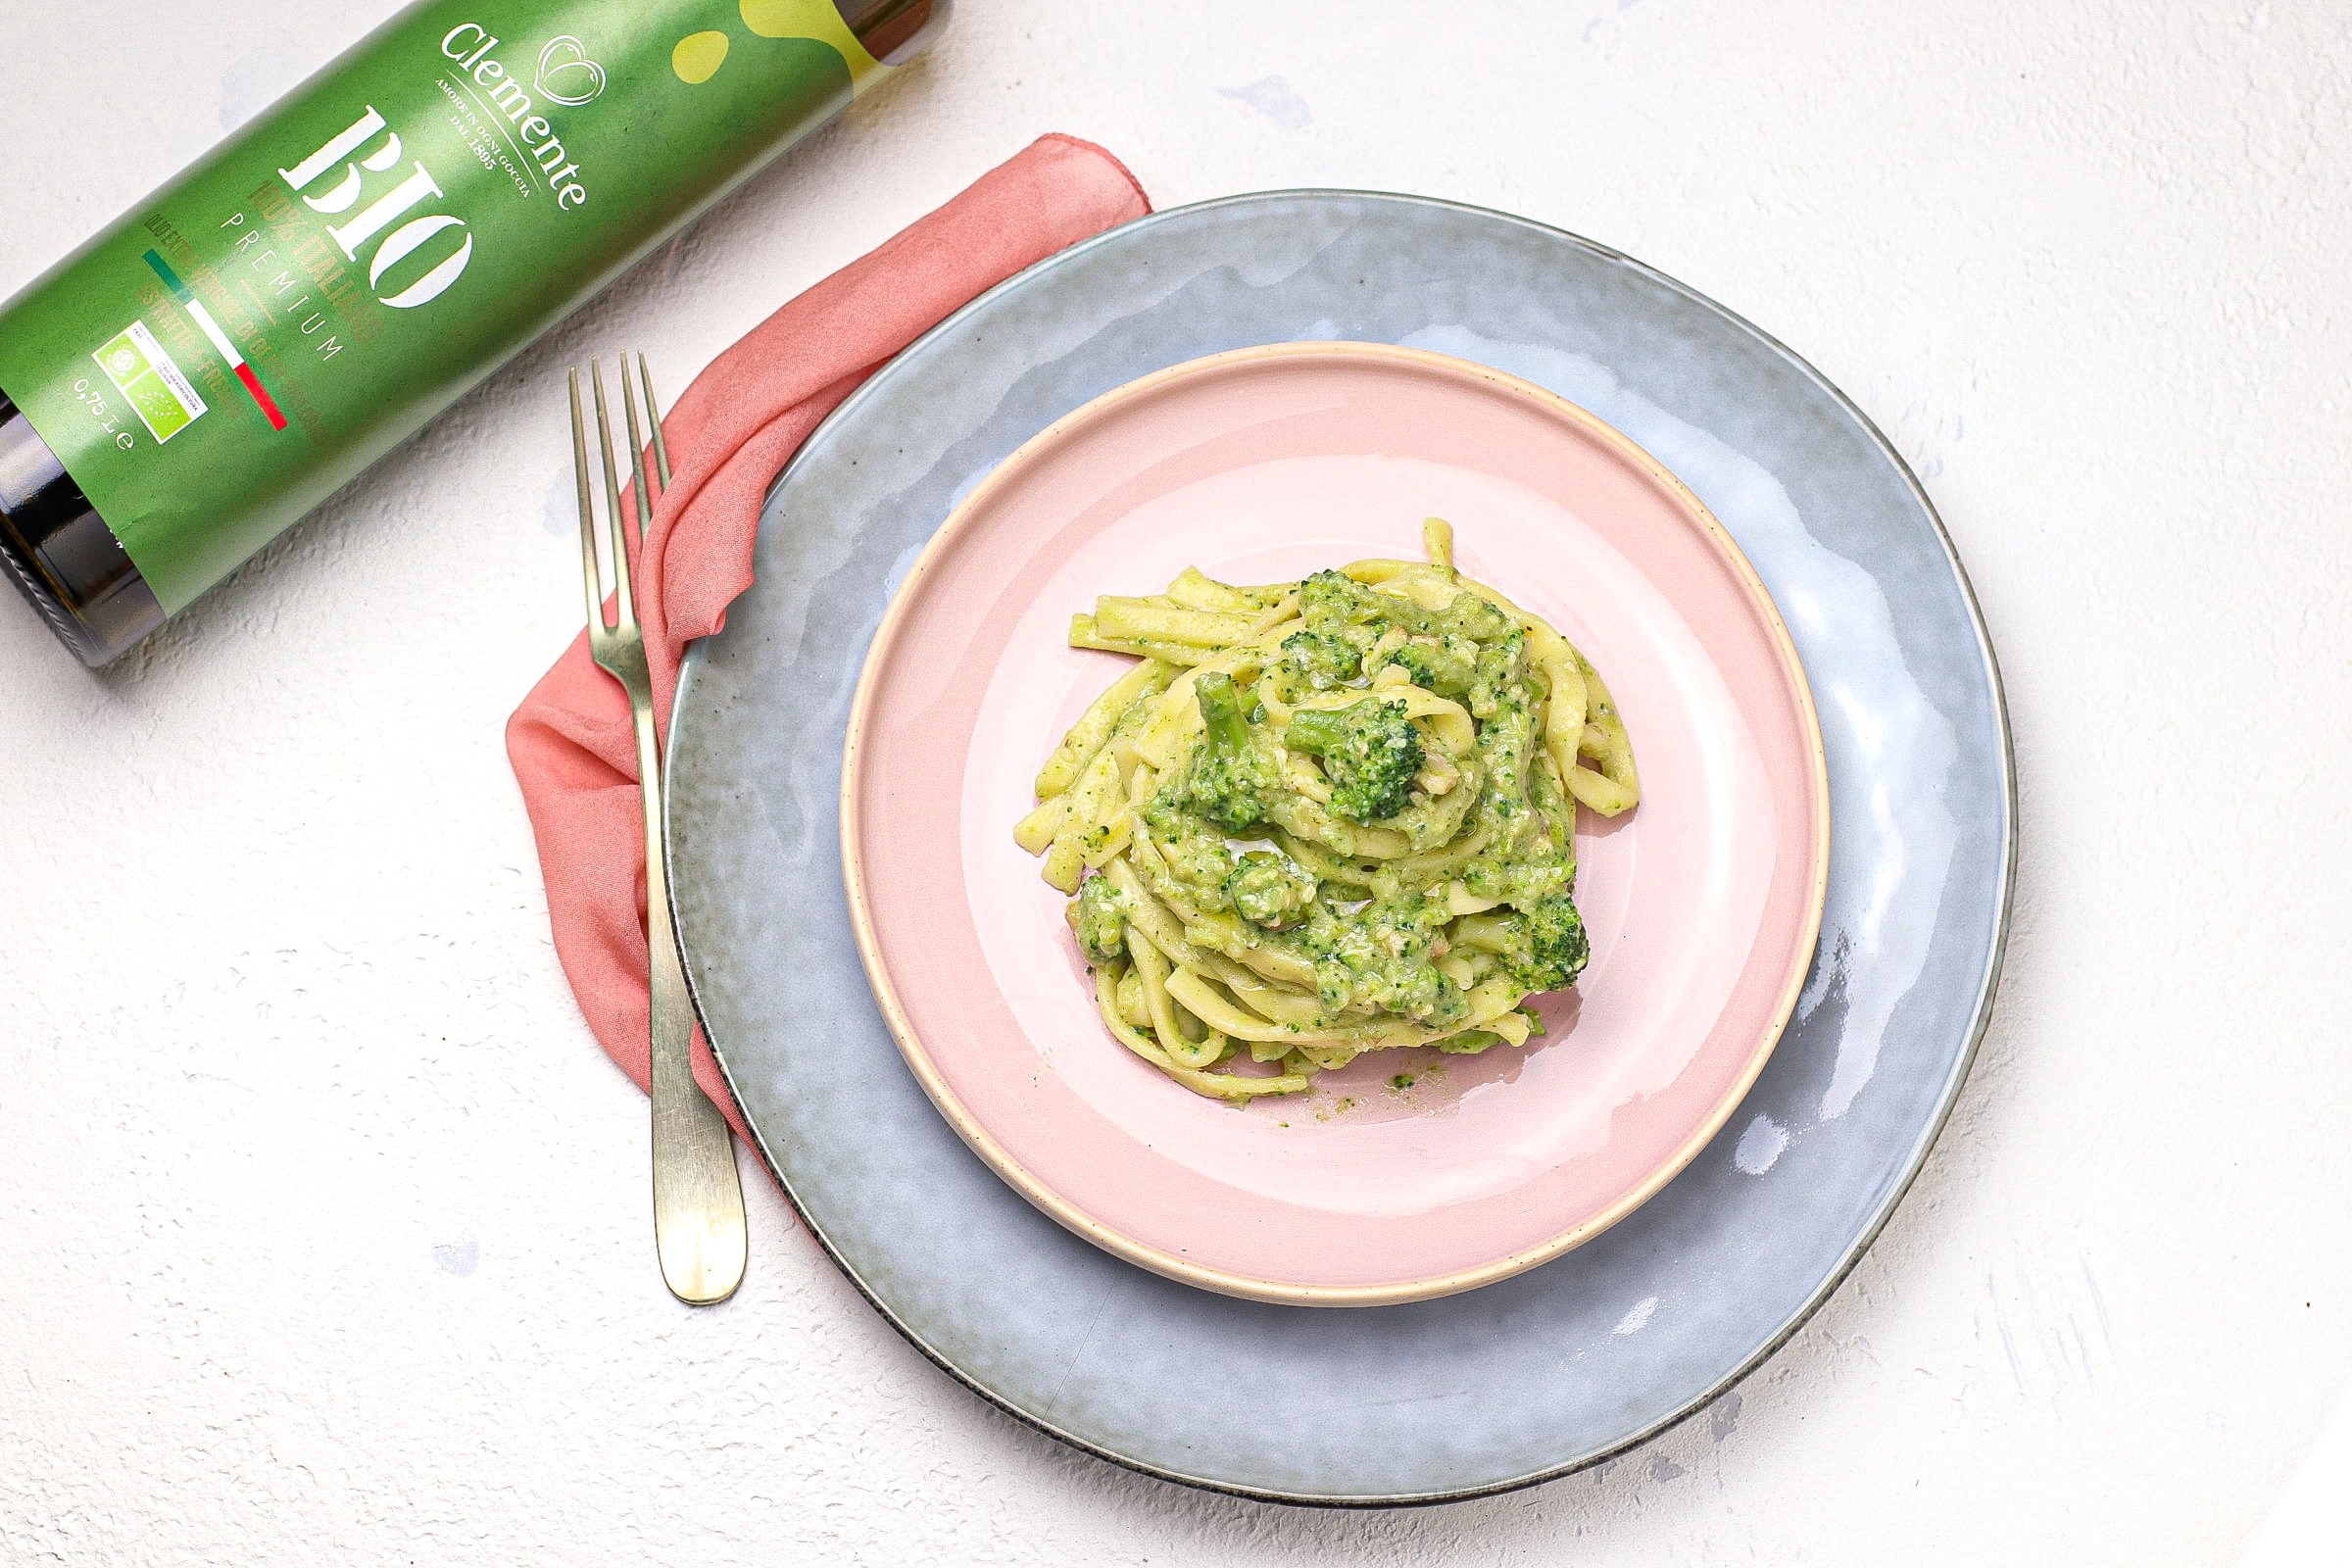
point(1529, 1378)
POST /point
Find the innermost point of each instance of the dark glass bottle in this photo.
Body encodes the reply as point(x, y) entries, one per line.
point(62, 554)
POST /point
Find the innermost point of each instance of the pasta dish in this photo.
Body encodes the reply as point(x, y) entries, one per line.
point(1324, 818)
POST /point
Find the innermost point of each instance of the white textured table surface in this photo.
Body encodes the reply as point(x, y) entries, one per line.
point(327, 1233)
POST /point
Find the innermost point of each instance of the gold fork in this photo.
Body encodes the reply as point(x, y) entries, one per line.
point(698, 1198)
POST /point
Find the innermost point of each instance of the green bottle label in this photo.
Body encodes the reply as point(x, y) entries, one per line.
point(218, 362)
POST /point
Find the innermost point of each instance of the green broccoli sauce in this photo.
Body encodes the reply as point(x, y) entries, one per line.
point(1374, 934)
point(1269, 889)
point(1097, 921)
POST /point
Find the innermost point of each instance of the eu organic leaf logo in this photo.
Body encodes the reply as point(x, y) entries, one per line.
point(566, 75)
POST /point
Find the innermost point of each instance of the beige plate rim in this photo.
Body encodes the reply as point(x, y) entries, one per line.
point(1118, 1243)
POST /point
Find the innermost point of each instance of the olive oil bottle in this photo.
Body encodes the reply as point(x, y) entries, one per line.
point(195, 379)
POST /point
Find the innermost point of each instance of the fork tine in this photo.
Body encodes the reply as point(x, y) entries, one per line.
point(589, 572)
point(624, 600)
point(644, 492)
point(653, 417)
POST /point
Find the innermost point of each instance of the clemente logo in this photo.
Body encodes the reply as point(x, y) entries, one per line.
point(566, 75)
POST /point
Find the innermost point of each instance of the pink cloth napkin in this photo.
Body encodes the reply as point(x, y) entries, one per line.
point(728, 435)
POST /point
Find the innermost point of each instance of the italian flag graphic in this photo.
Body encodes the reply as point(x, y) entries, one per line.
point(212, 329)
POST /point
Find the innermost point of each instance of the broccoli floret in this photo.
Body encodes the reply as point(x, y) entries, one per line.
point(1322, 660)
point(1540, 945)
point(1530, 874)
point(1437, 666)
point(1270, 890)
point(1547, 945)
point(1558, 936)
point(1330, 600)
point(1379, 956)
point(1098, 921)
point(1471, 616)
point(1331, 603)
point(1409, 987)
point(1192, 852)
point(1232, 774)
point(1370, 752)
point(1422, 992)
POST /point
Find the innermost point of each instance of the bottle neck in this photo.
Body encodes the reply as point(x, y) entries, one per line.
point(60, 554)
point(894, 31)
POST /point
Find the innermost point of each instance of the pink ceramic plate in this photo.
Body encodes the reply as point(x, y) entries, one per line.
point(1266, 464)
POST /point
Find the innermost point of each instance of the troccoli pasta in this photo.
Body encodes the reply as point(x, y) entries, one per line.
point(1325, 817)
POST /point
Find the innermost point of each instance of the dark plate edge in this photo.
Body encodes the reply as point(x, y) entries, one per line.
point(1978, 1022)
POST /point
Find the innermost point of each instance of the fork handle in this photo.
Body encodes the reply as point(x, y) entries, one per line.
point(698, 1196)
